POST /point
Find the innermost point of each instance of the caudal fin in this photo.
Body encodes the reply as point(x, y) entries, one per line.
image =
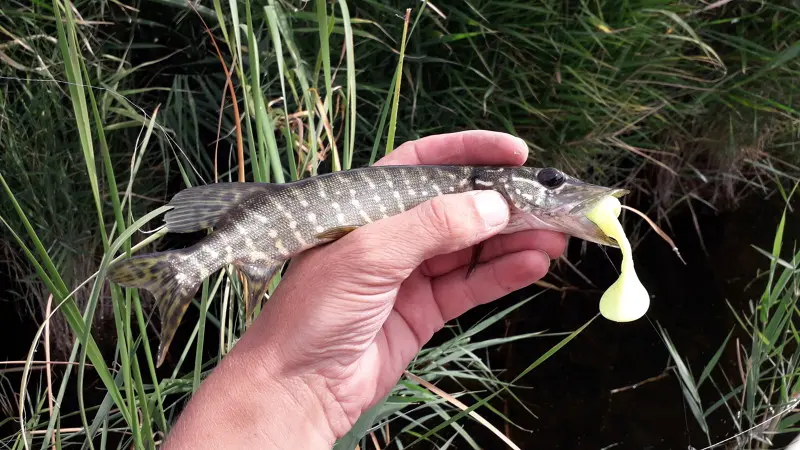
point(161, 275)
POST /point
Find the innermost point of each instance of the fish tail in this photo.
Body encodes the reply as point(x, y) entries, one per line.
point(165, 276)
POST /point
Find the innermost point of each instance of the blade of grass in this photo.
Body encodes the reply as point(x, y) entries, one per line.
point(399, 80)
point(688, 385)
point(272, 21)
point(325, 53)
point(382, 122)
point(350, 119)
point(712, 363)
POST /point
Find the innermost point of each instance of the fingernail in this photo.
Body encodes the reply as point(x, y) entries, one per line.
point(492, 207)
point(546, 255)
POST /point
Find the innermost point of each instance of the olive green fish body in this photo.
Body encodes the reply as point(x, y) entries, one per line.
point(259, 226)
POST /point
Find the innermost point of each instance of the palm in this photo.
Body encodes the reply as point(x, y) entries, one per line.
point(366, 337)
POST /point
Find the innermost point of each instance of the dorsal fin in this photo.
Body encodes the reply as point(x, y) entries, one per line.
point(200, 207)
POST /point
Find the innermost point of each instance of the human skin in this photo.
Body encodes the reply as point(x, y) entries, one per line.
point(347, 318)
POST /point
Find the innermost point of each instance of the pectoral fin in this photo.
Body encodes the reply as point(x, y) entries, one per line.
point(476, 257)
point(336, 233)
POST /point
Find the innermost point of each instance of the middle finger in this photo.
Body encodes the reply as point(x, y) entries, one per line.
point(551, 242)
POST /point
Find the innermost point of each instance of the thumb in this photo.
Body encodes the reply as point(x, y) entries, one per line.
point(393, 247)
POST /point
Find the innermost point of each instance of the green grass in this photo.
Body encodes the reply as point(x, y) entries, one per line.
point(684, 106)
point(39, 138)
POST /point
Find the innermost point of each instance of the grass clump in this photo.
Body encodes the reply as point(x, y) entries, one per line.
point(668, 98)
point(39, 136)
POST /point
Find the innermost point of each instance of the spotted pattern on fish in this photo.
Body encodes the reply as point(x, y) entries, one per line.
point(258, 226)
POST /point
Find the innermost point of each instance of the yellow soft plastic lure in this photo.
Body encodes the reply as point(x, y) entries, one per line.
point(627, 299)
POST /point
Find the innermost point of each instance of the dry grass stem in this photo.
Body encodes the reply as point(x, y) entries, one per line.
point(658, 230)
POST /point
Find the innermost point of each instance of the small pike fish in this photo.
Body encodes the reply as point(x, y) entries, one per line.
point(259, 226)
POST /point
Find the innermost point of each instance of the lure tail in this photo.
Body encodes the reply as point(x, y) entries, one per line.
point(165, 276)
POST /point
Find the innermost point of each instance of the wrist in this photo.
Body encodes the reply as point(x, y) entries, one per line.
point(242, 406)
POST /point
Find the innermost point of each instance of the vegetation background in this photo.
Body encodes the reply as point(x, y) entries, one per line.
point(109, 107)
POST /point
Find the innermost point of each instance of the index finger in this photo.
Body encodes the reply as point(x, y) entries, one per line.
point(478, 147)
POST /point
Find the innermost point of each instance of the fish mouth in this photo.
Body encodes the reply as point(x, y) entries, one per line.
point(593, 232)
point(589, 203)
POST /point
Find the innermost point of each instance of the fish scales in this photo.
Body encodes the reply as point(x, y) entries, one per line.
point(284, 220)
point(258, 226)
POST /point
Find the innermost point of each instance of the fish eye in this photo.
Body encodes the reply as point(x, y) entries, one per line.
point(550, 178)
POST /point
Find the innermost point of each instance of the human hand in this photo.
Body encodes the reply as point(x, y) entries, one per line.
point(348, 318)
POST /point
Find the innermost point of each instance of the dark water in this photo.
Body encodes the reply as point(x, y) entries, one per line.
point(571, 391)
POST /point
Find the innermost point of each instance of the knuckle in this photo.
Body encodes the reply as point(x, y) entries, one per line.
point(441, 222)
point(436, 214)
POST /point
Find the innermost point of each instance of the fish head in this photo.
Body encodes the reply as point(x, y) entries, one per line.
point(547, 198)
